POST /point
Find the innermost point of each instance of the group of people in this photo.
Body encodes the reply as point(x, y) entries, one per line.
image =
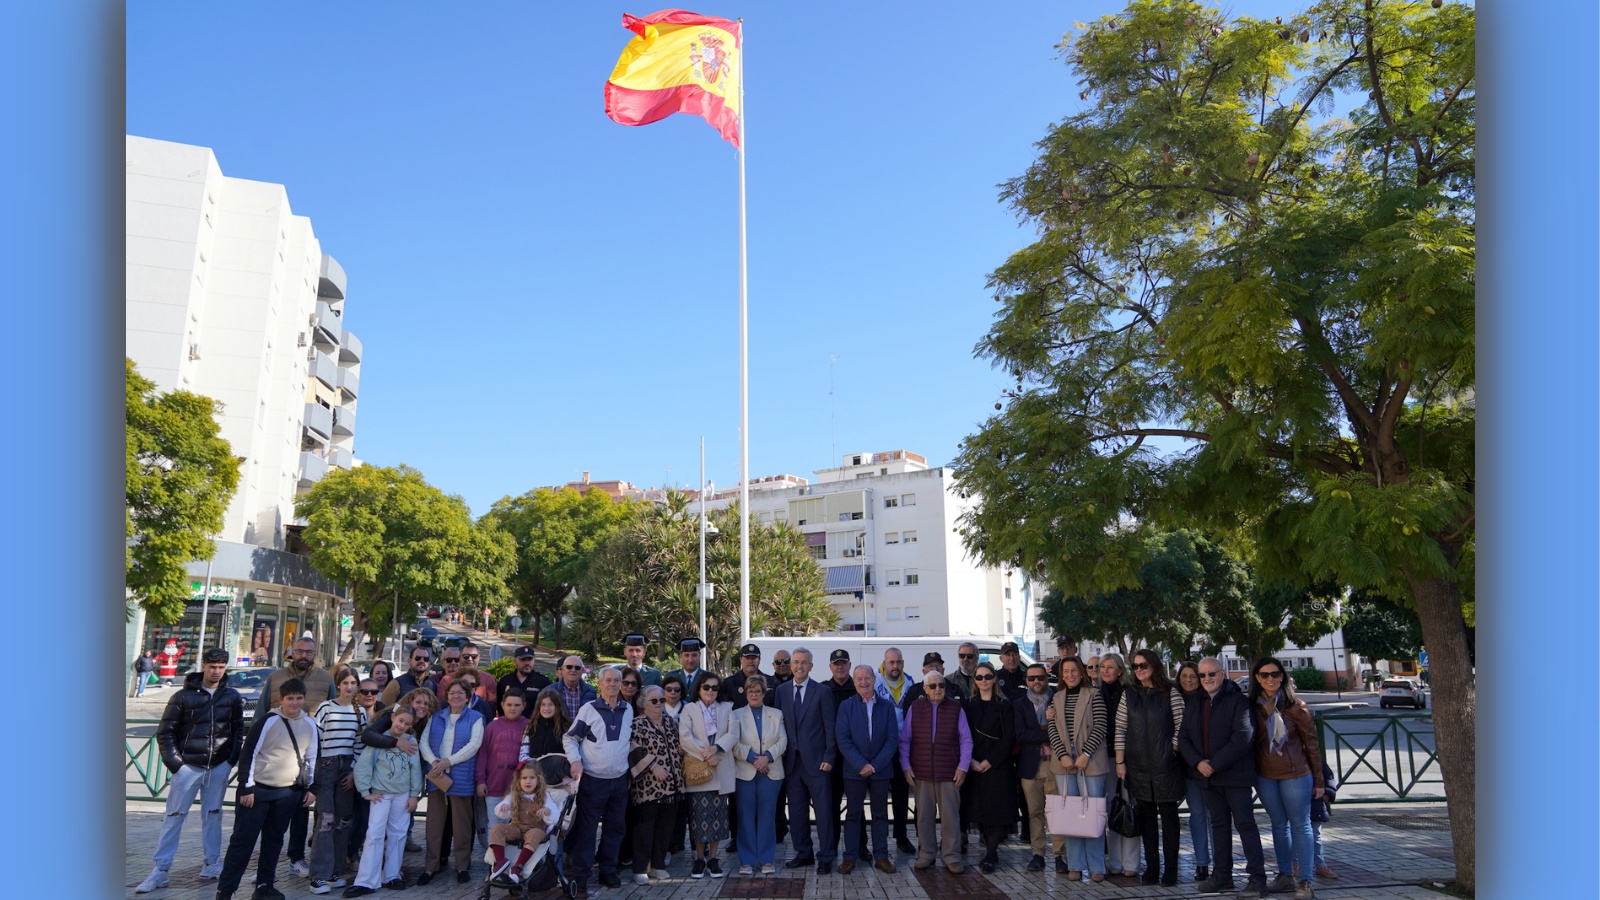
point(687, 759)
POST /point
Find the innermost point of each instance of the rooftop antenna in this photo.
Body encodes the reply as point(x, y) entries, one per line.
point(833, 407)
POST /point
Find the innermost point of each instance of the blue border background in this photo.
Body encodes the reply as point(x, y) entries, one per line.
point(1539, 389)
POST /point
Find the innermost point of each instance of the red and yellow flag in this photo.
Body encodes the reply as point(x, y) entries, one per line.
point(680, 62)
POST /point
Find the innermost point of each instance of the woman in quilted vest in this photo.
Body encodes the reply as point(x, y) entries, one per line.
point(1148, 719)
point(1288, 773)
point(450, 745)
point(1076, 724)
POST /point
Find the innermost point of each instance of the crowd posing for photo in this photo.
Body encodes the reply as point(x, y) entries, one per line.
point(1087, 763)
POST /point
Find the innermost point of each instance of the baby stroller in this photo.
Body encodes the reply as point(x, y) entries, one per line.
point(546, 868)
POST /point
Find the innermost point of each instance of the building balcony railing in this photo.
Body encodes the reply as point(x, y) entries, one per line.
point(349, 381)
point(319, 421)
point(349, 348)
point(312, 468)
point(329, 326)
point(322, 367)
point(341, 458)
point(344, 422)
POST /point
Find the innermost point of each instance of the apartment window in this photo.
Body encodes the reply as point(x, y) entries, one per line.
point(855, 460)
point(913, 612)
point(891, 502)
point(1009, 629)
point(894, 614)
point(818, 552)
point(892, 537)
point(891, 577)
point(908, 500)
point(911, 537)
point(1008, 597)
point(912, 577)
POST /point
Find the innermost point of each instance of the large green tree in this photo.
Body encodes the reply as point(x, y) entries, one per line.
point(395, 540)
point(644, 577)
point(1246, 314)
point(180, 477)
point(556, 533)
point(1379, 628)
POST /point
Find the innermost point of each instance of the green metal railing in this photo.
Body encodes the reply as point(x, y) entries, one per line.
point(1381, 758)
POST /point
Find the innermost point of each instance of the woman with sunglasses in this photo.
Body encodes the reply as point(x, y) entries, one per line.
point(672, 691)
point(1076, 725)
point(1199, 821)
point(705, 732)
point(631, 681)
point(657, 769)
point(1122, 853)
point(989, 795)
point(546, 725)
point(1147, 724)
point(1288, 773)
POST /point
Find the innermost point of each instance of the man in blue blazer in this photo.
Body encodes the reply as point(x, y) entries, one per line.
point(869, 737)
point(808, 718)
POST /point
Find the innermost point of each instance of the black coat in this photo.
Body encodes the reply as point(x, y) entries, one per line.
point(990, 798)
point(1030, 737)
point(1155, 770)
point(201, 728)
point(1232, 736)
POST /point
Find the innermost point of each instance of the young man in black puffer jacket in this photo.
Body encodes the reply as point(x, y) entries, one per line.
point(200, 736)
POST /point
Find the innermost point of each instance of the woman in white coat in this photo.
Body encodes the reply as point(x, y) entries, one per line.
point(705, 731)
point(758, 748)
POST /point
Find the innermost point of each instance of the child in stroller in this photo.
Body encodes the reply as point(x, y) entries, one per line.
point(539, 809)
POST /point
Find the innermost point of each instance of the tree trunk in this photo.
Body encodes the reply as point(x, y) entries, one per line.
point(1444, 632)
point(378, 645)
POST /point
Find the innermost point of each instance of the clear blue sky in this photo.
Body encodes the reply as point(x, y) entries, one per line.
point(541, 291)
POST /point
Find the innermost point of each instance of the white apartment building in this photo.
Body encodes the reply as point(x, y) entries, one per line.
point(229, 295)
point(883, 528)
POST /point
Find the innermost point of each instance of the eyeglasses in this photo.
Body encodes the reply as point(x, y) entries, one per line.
point(967, 655)
point(1210, 674)
point(369, 691)
point(655, 701)
point(1265, 674)
point(1141, 666)
point(780, 662)
point(708, 687)
point(983, 678)
point(1038, 677)
point(673, 689)
point(469, 656)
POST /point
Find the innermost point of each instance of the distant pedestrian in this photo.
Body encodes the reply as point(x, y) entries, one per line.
point(143, 668)
point(200, 737)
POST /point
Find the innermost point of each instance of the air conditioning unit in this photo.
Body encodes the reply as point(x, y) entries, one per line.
point(300, 339)
point(849, 551)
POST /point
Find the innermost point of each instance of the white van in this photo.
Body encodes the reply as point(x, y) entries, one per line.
point(869, 650)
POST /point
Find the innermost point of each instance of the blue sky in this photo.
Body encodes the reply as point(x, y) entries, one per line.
point(541, 291)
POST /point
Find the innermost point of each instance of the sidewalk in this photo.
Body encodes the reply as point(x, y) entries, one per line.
point(1381, 851)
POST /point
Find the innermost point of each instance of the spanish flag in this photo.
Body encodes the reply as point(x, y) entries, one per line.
point(680, 62)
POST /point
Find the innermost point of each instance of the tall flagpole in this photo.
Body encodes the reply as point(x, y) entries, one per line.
point(744, 378)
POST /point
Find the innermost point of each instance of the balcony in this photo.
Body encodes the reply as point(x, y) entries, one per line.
point(329, 325)
point(322, 367)
point(319, 421)
point(332, 282)
point(349, 381)
point(312, 468)
point(349, 348)
point(341, 458)
point(344, 422)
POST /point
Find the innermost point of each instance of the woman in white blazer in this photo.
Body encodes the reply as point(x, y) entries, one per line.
point(758, 761)
point(705, 731)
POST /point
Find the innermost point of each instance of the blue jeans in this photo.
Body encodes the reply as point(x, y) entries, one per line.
point(1316, 838)
point(1288, 804)
point(211, 784)
point(335, 810)
point(1086, 854)
point(603, 802)
point(758, 832)
point(1199, 825)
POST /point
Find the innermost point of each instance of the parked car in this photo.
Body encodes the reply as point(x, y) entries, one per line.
point(453, 640)
point(1402, 692)
point(427, 634)
point(433, 612)
point(249, 682)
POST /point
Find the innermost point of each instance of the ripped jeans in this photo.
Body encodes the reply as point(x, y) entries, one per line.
point(211, 784)
point(335, 807)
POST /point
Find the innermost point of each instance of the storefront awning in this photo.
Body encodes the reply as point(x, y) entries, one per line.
point(846, 579)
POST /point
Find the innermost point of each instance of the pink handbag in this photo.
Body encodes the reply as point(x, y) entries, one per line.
point(1081, 816)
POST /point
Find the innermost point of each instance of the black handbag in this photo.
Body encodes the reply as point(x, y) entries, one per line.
point(1121, 815)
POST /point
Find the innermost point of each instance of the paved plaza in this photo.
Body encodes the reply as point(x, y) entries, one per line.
point(1381, 851)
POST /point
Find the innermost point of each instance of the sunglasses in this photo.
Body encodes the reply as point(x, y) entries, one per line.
point(1141, 666)
point(451, 659)
point(673, 689)
point(967, 655)
point(573, 668)
point(1038, 677)
point(469, 656)
point(655, 701)
point(708, 687)
point(1265, 674)
point(780, 662)
point(983, 678)
point(933, 687)
point(369, 691)
point(1210, 674)
point(420, 658)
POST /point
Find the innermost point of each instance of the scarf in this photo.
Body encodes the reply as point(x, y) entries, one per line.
point(1277, 731)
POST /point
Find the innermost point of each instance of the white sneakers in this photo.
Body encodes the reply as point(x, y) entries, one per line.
point(299, 869)
point(641, 879)
point(211, 871)
point(155, 880)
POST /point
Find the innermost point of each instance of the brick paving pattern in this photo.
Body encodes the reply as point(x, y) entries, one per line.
point(1388, 851)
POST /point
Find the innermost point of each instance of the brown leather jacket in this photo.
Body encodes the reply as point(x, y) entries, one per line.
point(1299, 755)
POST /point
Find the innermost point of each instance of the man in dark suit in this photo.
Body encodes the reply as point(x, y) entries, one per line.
point(1218, 742)
point(808, 718)
point(868, 734)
